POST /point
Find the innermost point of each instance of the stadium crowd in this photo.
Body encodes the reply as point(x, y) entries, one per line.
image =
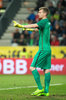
point(57, 29)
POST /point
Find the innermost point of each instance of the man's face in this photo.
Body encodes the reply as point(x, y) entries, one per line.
point(41, 14)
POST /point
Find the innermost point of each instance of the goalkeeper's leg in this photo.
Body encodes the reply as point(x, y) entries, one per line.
point(37, 79)
point(47, 83)
point(47, 80)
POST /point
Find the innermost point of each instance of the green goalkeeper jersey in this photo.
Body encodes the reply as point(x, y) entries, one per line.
point(44, 34)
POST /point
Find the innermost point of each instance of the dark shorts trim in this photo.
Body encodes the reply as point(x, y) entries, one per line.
point(37, 58)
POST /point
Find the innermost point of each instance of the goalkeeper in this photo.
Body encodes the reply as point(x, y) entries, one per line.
point(43, 57)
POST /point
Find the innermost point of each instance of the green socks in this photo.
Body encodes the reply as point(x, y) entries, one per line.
point(37, 78)
point(47, 82)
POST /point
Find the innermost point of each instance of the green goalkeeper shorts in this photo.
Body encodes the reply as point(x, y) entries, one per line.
point(42, 59)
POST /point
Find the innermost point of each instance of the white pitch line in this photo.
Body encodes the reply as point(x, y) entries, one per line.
point(27, 87)
point(56, 84)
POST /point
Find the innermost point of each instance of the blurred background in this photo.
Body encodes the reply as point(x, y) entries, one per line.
point(17, 43)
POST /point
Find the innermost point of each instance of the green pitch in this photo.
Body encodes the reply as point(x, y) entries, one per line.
point(19, 87)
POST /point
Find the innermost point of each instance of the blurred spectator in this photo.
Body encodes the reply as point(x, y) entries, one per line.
point(36, 17)
point(63, 28)
point(51, 8)
point(23, 54)
point(14, 43)
point(63, 2)
point(22, 41)
point(59, 8)
point(31, 41)
point(31, 16)
point(37, 41)
point(16, 36)
point(39, 3)
point(61, 23)
point(58, 30)
point(63, 16)
point(26, 35)
point(54, 2)
point(53, 21)
point(63, 41)
point(56, 15)
point(55, 41)
point(49, 16)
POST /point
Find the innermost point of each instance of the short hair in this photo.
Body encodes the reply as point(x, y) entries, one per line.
point(45, 9)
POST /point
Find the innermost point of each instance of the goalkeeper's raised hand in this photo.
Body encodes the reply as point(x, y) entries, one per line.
point(17, 25)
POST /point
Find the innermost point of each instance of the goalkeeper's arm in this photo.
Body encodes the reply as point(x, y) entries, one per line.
point(31, 26)
point(25, 26)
